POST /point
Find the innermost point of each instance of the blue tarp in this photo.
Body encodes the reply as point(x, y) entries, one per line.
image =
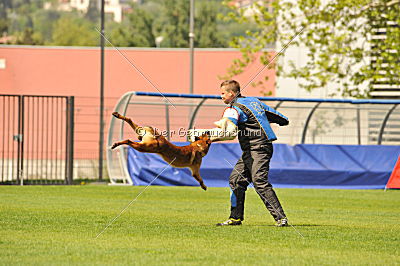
point(298, 166)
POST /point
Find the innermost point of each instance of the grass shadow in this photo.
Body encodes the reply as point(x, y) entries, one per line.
point(295, 225)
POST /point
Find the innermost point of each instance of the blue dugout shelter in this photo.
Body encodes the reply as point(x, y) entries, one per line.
point(330, 143)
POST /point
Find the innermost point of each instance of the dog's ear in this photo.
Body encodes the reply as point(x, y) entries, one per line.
point(207, 133)
point(196, 138)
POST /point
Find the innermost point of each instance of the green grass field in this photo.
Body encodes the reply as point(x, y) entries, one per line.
point(175, 225)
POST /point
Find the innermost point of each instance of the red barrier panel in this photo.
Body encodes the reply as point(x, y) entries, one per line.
point(394, 180)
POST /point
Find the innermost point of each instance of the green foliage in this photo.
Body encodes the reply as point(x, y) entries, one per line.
point(337, 35)
point(176, 23)
point(255, 39)
point(170, 19)
point(206, 31)
point(29, 37)
point(69, 31)
point(57, 225)
point(44, 21)
point(93, 13)
point(140, 26)
point(34, 25)
point(4, 6)
point(136, 30)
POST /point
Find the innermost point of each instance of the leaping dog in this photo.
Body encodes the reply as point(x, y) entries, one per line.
point(186, 156)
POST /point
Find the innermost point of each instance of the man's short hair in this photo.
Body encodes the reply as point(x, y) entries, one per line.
point(231, 85)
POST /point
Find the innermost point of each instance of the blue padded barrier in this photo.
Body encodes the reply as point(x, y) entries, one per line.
point(299, 166)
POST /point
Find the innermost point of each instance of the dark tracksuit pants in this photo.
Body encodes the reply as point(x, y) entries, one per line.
point(253, 166)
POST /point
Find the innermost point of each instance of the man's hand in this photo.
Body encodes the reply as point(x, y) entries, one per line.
point(226, 130)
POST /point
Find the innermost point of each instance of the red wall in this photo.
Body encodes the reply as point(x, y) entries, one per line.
point(76, 71)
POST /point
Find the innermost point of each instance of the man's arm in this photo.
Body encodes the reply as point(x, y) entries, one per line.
point(225, 130)
point(274, 116)
point(226, 127)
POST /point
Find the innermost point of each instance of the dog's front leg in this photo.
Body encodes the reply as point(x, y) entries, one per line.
point(196, 174)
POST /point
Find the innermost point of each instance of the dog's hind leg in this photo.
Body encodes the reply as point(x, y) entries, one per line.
point(139, 146)
point(196, 174)
point(116, 144)
point(127, 120)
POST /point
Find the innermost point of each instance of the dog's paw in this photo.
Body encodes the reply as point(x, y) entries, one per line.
point(114, 146)
point(116, 114)
point(204, 187)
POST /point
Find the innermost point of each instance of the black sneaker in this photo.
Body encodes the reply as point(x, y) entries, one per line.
point(230, 221)
point(282, 222)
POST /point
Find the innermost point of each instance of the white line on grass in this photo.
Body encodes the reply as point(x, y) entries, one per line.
point(263, 197)
point(127, 206)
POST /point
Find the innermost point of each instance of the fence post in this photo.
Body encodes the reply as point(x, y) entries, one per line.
point(167, 120)
point(70, 138)
point(21, 131)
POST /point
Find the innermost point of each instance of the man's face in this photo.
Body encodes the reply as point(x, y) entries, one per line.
point(226, 95)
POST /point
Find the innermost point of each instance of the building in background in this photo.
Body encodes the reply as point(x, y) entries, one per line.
point(381, 88)
point(114, 7)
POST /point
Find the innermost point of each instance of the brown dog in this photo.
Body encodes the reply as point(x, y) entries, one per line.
point(186, 156)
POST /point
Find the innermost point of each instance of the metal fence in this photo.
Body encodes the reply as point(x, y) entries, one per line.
point(36, 140)
point(85, 145)
point(86, 130)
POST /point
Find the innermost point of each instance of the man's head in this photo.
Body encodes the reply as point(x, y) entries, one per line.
point(230, 89)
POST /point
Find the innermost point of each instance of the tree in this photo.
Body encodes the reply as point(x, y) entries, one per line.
point(173, 24)
point(5, 5)
point(92, 13)
point(29, 37)
point(73, 31)
point(337, 34)
point(23, 23)
point(170, 19)
point(206, 32)
point(136, 31)
point(44, 22)
point(176, 23)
